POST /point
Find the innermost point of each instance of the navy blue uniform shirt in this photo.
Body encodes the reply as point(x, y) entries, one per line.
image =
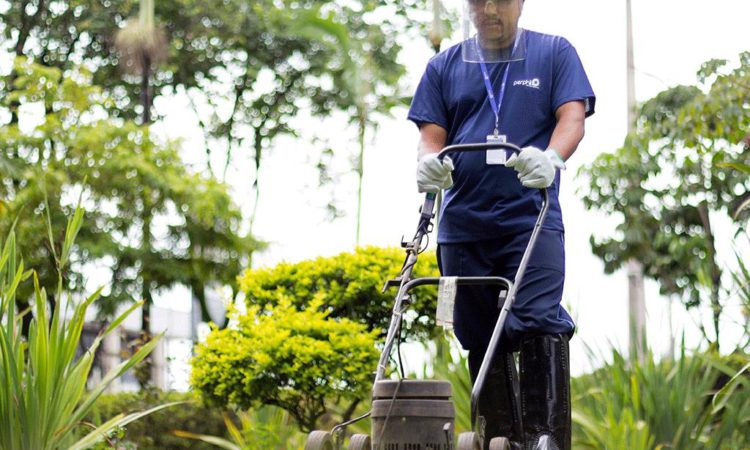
point(488, 201)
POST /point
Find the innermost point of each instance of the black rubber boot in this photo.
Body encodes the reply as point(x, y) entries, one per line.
point(498, 400)
point(545, 392)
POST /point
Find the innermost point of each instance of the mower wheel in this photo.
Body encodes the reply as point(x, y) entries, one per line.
point(360, 442)
point(499, 443)
point(319, 440)
point(468, 441)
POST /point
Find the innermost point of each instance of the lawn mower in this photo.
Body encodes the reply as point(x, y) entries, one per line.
point(419, 414)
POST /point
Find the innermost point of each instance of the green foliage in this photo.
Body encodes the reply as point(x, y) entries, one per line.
point(217, 52)
point(670, 180)
point(665, 404)
point(297, 360)
point(154, 432)
point(152, 222)
point(618, 429)
point(211, 40)
point(348, 285)
point(43, 396)
point(267, 427)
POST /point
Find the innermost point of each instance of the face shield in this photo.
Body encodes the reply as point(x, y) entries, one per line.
point(491, 33)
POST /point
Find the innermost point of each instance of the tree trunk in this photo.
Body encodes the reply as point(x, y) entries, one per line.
point(714, 267)
point(144, 375)
point(145, 85)
point(347, 415)
point(360, 169)
point(258, 147)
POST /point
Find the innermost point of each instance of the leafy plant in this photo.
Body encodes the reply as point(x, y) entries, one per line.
point(296, 360)
point(43, 396)
point(665, 404)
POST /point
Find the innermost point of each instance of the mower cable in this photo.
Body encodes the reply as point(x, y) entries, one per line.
point(340, 427)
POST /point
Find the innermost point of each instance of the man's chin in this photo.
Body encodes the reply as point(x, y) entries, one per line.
point(492, 31)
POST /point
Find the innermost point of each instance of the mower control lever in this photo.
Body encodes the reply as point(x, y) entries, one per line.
point(395, 282)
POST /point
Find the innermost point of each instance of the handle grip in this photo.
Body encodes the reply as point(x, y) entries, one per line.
point(478, 147)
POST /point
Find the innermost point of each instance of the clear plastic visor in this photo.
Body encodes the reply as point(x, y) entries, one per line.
point(490, 31)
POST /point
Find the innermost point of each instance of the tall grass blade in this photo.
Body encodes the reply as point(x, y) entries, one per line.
point(213, 440)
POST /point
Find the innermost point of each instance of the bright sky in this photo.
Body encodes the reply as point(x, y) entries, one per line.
point(672, 39)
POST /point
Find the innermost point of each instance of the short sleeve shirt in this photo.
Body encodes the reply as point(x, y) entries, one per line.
point(487, 201)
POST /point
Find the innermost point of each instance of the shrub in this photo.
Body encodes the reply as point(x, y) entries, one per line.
point(154, 432)
point(296, 360)
point(348, 285)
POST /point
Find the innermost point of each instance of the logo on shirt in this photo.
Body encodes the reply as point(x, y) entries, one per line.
point(533, 83)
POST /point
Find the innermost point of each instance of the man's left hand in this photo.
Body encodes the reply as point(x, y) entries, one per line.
point(536, 169)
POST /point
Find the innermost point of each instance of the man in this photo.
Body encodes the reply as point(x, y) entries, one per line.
point(531, 89)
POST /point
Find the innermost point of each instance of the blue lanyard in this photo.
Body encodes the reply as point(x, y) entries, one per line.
point(488, 84)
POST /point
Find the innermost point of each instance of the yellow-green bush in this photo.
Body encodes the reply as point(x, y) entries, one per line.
point(349, 285)
point(297, 360)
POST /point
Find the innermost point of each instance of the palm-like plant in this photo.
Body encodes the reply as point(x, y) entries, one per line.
point(666, 404)
point(43, 396)
point(142, 45)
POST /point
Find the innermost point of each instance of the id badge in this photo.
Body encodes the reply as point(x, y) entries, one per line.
point(496, 155)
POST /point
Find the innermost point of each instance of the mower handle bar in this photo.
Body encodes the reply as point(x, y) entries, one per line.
point(475, 148)
point(478, 147)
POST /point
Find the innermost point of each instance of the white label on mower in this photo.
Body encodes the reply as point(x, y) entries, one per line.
point(445, 301)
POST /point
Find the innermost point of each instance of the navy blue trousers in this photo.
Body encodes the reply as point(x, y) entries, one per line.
point(537, 309)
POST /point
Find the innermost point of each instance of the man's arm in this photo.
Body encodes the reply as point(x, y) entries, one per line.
point(569, 129)
point(432, 139)
point(432, 174)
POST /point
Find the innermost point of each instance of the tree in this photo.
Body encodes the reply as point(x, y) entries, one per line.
point(152, 223)
point(670, 180)
point(239, 56)
point(297, 360)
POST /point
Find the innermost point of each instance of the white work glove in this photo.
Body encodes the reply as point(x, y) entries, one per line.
point(536, 169)
point(433, 174)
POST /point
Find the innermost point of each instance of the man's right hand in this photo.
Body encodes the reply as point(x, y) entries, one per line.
point(433, 174)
